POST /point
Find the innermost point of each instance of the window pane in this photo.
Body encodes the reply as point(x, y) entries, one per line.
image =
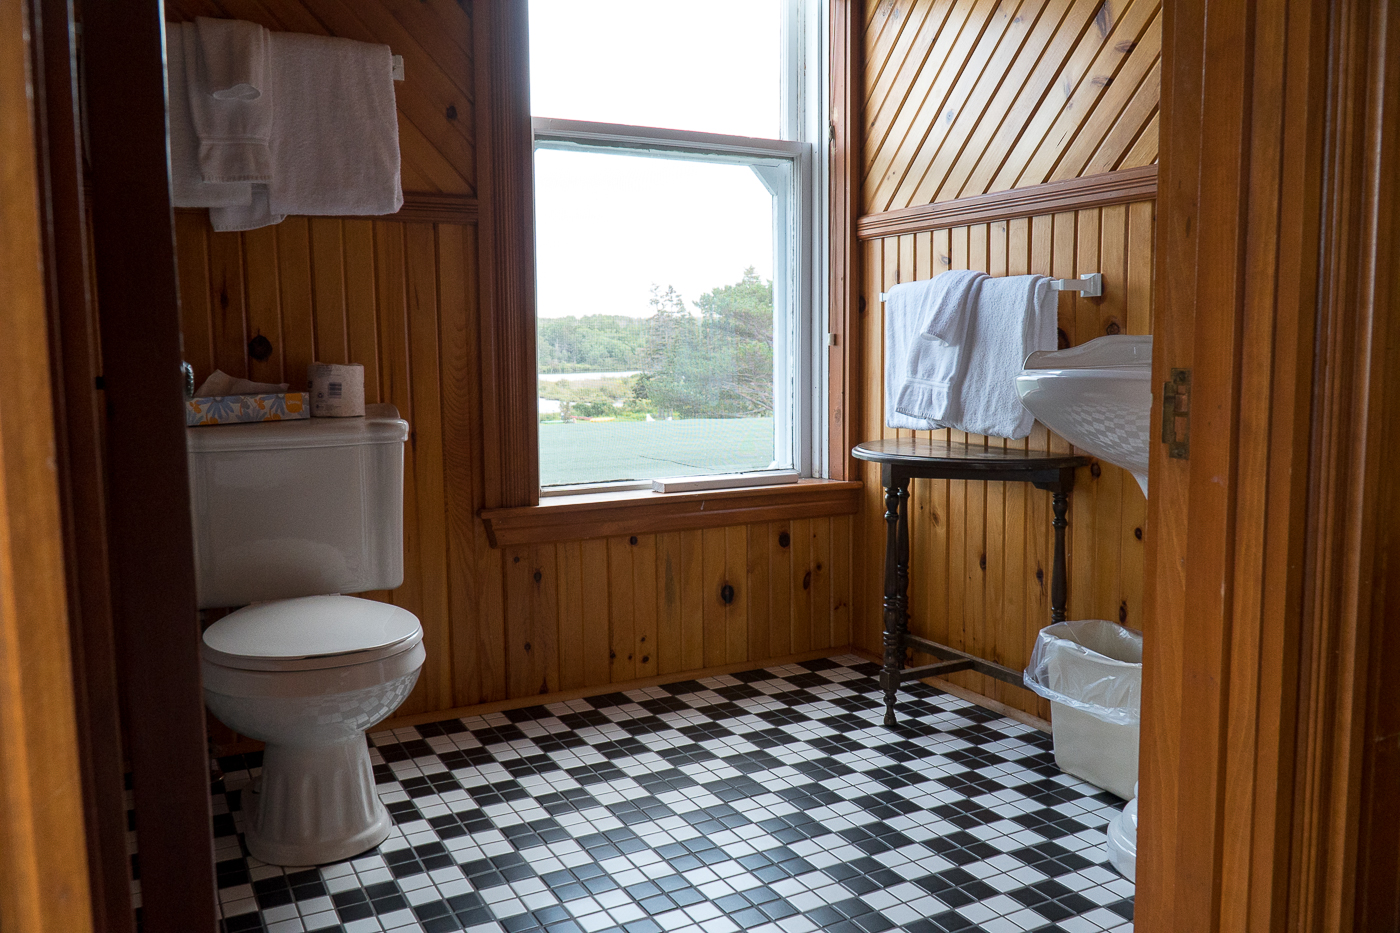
point(655, 317)
point(712, 66)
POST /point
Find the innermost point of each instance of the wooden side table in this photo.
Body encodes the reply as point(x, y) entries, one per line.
point(904, 459)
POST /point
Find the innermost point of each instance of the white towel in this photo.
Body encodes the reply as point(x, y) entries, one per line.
point(187, 186)
point(335, 134)
point(228, 73)
point(934, 315)
point(1013, 317)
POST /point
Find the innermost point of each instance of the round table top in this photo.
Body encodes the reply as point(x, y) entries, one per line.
point(911, 451)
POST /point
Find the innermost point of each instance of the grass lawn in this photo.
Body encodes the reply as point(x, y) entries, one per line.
point(598, 451)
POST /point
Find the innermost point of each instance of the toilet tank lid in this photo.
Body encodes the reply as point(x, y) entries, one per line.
point(380, 425)
point(313, 631)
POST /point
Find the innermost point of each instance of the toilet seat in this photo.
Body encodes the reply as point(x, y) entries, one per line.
point(310, 633)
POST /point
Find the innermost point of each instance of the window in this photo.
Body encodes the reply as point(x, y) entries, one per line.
point(679, 272)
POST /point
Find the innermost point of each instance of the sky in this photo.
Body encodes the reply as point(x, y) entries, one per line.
point(608, 226)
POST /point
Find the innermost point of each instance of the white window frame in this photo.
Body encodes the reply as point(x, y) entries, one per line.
point(790, 170)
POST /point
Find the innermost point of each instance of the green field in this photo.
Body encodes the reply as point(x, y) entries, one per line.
point(599, 451)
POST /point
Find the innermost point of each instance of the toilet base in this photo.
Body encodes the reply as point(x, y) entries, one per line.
point(314, 805)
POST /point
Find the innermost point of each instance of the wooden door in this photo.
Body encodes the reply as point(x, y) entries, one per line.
point(43, 860)
point(1275, 209)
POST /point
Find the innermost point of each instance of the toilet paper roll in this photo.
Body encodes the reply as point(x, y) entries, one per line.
point(337, 391)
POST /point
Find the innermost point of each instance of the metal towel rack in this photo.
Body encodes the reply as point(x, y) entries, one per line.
point(1089, 285)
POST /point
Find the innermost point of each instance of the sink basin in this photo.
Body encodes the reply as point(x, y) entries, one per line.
point(1097, 396)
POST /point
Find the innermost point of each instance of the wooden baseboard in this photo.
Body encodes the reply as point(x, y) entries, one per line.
point(962, 693)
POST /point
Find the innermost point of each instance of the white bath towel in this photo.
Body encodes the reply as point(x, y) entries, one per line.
point(909, 309)
point(232, 102)
point(937, 312)
point(335, 134)
point(187, 186)
point(1012, 317)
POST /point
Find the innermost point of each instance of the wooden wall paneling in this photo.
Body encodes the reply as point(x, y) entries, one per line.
point(757, 594)
point(1145, 148)
point(979, 76)
point(261, 294)
point(597, 639)
point(821, 583)
point(420, 249)
point(196, 332)
point(801, 585)
point(569, 562)
point(892, 135)
point(780, 590)
point(532, 627)
point(1059, 116)
point(226, 289)
point(645, 618)
point(670, 632)
point(1119, 150)
point(474, 570)
point(716, 575)
point(889, 154)
point(298, 344)
point(361, 288)
point(736, 616)
point(843, 580)
point(1001, 118)
point(622, 632)
point(1138, 58)
point(328, 291)
point(694, 594)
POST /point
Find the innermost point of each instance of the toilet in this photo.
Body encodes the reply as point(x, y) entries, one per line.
point(288, 517)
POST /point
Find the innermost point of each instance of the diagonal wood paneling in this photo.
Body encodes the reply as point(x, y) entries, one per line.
point(966, 97)
point(435, 100)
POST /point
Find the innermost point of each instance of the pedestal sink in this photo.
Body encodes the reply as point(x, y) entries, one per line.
point(1098, 396)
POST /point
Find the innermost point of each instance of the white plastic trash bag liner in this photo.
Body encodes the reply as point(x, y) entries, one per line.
point(1090, 665)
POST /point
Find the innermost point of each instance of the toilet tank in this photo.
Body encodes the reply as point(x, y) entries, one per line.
point(297, 508)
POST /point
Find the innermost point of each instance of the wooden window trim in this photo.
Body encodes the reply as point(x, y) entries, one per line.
point(505, 208)
point(844, 265)
point(641, 511)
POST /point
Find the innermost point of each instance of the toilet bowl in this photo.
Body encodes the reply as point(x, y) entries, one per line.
point(308, 676)
point(287, 516)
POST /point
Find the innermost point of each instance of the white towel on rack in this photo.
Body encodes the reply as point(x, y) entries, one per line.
point(933, 316)
point(187, 186)
point(335, 134)
point(1013, 317)
point(228, 74)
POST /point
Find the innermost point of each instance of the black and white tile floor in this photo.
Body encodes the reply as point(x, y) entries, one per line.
point(772, 800)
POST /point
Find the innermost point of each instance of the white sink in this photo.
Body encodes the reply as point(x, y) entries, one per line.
point(1097, 396)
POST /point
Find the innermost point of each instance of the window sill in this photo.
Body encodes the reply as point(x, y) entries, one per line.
point(598, 515)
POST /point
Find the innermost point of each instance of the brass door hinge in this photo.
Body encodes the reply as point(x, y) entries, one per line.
point(1176, 415)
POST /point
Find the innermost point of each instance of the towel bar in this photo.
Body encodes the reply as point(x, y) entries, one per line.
point(1089, 285)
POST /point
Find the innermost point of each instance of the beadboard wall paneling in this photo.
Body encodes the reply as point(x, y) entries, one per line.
point(400, 298)
point(980, 574)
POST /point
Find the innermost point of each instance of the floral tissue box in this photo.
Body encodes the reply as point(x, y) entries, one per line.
point(232, 409)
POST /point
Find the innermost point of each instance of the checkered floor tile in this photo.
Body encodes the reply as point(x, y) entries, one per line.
point(772, 800)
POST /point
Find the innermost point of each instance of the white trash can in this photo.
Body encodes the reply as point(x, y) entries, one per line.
point(1091, 672)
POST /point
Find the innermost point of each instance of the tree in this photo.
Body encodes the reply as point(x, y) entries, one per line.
point(719, 364)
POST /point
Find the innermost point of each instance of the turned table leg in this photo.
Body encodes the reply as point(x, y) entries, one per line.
point(1060, 503)
point(896, 586)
